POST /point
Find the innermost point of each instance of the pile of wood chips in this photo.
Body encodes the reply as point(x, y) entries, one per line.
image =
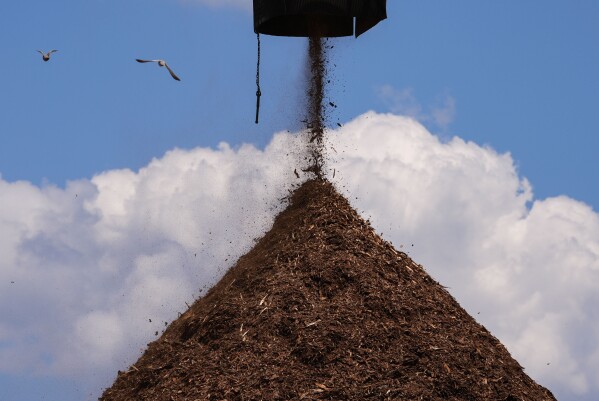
point(324, 309)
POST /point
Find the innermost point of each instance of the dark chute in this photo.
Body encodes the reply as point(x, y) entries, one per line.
point(328, 18)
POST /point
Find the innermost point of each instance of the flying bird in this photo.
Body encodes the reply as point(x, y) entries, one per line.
point(46, 56)
point(161, 63)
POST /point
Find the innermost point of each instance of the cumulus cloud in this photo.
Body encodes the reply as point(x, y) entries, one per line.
point(527, 269)
point(85, 268)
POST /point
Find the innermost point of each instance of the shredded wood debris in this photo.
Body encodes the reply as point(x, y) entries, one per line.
point(348, 318)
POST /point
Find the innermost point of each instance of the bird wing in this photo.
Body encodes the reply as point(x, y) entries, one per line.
point(145, 61)
point(172, 73)
point(52, 51)
point(40, 52)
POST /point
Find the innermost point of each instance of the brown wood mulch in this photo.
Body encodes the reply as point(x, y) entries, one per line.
point(324, 309)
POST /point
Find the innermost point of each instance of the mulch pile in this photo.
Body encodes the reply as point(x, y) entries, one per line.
point(324, 309)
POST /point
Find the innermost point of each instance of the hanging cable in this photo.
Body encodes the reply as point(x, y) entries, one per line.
point(258, 92)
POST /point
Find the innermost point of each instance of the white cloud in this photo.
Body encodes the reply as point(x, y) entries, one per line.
point(403, 101)
point(530, 267)
point(443, 112)
point(93, 262)
point(84, 269)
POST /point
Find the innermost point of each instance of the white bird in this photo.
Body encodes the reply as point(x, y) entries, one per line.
point(161, 63)
point(46, 56)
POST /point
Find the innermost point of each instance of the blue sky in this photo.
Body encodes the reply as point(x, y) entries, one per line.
point(523, 77)
point(517, 77)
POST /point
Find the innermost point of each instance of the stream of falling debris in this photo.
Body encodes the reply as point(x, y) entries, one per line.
point(315, 121)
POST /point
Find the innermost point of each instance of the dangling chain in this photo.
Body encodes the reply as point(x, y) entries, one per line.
point(258, 92)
